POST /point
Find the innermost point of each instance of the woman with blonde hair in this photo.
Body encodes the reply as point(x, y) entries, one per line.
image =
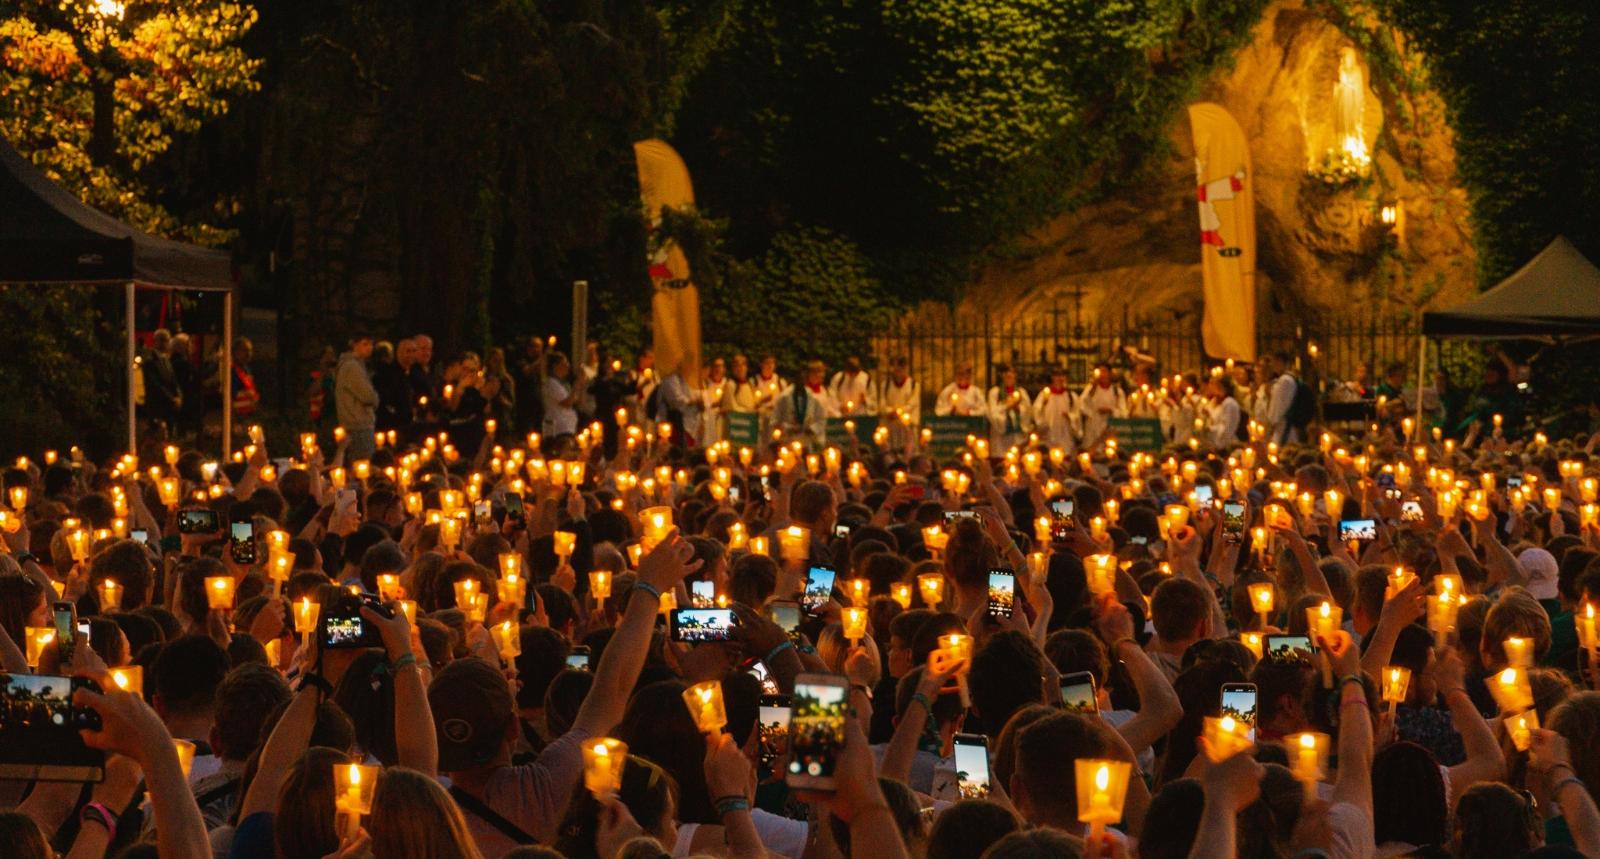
point(835, 650)
point(414, 818)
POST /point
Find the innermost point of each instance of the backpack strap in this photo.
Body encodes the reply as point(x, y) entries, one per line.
point(479, 809)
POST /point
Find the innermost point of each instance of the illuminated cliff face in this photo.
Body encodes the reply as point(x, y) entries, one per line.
point(1311, 104)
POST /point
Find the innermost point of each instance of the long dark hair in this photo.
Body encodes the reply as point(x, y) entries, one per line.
point(658, 728)
point(18, 597)
point(1408, 801)
point(648, 792)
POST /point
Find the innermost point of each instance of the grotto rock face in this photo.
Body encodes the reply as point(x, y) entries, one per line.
point(1323, 248)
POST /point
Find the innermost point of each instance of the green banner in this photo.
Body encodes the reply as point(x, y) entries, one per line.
point(949, 432)
point(1141, 434)
point(865, 425)
point(744, 429)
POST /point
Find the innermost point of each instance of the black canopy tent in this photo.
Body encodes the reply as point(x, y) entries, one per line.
point(48, 236)
point(1554, 297)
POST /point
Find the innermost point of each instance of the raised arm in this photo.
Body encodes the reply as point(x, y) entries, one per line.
point(414, 737)
point(1354, 783)
point(1549, 754)
point(1485, 761)
point(660, 570)
point(288, 740)
point(1399, 611)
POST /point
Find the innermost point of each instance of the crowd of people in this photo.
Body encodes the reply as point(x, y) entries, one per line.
point(441, 627)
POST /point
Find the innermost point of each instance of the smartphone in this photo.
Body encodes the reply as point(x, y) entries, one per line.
point(1078, 694)
point(1139, 540)
point(1061, 508)
point(482, 512)
point(951, 517)
point(819, 589)
point(773, 723)
point(1513, 481)
point(1365, 530)
point(345, 502)
point(841, 531)
point(1289, 648)
point(758, 669)
point(64, 617)
point(703, 594)
point(578, 657)
point(514, 507)
point(699, 625)
point(1060, 519)
point(1002, 592)
point(139, 535)
point(972, 765)
point(786, 614)
point(1203, 493)
point(242, 542)
point(39, 726)
point(197, 522)
point(735, 494)
point(1232, 520)
point(1239, 701)
point(816, 730)
point(1411, 511)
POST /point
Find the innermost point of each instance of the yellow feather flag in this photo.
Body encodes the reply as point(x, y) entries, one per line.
point(675, 303)
point(1225, 192)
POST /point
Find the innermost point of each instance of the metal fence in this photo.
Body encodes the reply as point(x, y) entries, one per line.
point(1329, 349)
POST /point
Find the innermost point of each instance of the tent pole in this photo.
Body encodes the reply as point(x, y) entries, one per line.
point(227, 375)
point(133, 371)
point(1422, 379)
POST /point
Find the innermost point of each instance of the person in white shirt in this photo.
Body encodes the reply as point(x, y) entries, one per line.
point(1179, 409)
point(642, 379)
point(560, 397)
point(961, 397)
point(901, 403)
point(714, 389)
point(1280, 398)
point(1101, 401)
point(769, 386)
point(803, 410)
point(742, 396)
point(852, 389)
point(1055, 412)
point(1010, 412)
point(1222, 416)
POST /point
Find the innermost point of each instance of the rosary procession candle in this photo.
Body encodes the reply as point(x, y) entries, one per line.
point(935, 538)
point(1102, 787)
point(1308, 759)
point(1521, 728)
point(1396, 681)
point(860, 591)
point(600, 584)
point(388, 586)
point(564, 542)
point(1399, 580)
point(900, 592)
point(1512, 690)
point(355, 786)
point(38, 638)
point(1442, 609)
point(1226, 736)
point(854, 621)
point(1519, 652)
point(1102, 574)
point(110, 595)
point(1322, 622)
point(129, 679)
point(603, 762)
point(306, 613)
point(409, 609)
point(508, 640)
point(758, 546)
point(704, 701)
point(931, 585)
point(1252, 640)
point(219, 592)
point(1262, 598)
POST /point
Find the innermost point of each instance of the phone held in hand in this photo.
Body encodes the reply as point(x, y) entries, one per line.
point(816, 730)
point(773, 722)
point(701, 625)
point(819, 589)
point(1239, 701)
point(972, 765)
point(1002, 592)
point(242, 542)
point(39, 727)
point(1078, 694)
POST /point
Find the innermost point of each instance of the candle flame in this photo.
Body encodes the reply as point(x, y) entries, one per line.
point(1326, 610)
point(1102, 777)
point(355, 774)
point(1307, 741)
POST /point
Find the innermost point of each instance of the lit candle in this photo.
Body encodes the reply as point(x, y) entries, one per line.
point(1102, 787)
point(1442, 609)
point(1521, 727)
point(409, 609)
point(477, 607)
point(656, 522)
point(900, 592)
point(603, 762)
point(1263, 596)
point(1226, 737)
point(388, 586)
point(306, 614)
point(1519, 652)
point(759, 546)
point(1399, 580)
point(356, 785)
point(795, 542)
point(110, 595)
point(38, 638)
point(1252, 640)
point(1512, 690)
point(129, 679)
point(1308, 759)
point(855, 624)
point(1588, 633)
point(1323, 621)
point(704, 701)
point(600, 584)
point(508, 639)
point(860, 590)
point(19, 498)
point(1396, 680)
point(1041, 530)
point(1102, 574)
point(935, 538)
point(185, 751)
point(564, 541)
point(931, 586)
point(219, 592)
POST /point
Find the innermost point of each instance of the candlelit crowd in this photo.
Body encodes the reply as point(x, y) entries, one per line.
point(449, 632)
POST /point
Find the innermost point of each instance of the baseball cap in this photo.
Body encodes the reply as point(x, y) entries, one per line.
point(1543, 573)
point(471, 706)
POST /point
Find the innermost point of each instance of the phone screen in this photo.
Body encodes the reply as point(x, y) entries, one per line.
point(242, 542)
point(698, 625)
point(816, 730)
point(513, 505)
point(953, 516)
point(1239, 701)
point(482, 512)
point(197, 521)
point(1002, 592)
point(841, 531)
point(1078, 694)
point(578, 658)
point(1233, 518)
point(1386, 479)
point(702, 594)
point(1364, 530)
point(1411, 511)
point(819, 589)
point(65, 616)
point(786, 614)
point(139, 535)
point(1203, 493)
point(39, 726)
point(1289, 648)
point(774, 724)
point(1513, 481)
point(972, 765)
